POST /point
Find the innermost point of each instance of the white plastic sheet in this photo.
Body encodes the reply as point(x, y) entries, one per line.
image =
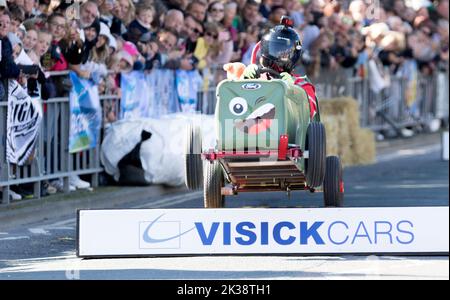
point(162, 156)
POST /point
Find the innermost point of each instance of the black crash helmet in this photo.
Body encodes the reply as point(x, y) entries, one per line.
point(281, 48)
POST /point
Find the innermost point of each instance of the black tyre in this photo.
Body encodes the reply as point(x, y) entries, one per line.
point(333, 185)
point(213, 183)
point(193, 160)
point(315, 144)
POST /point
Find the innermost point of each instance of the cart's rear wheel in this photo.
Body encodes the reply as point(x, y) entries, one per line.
point(213, 183)
point(193, 160)
point(315, 144)
point(333, 185)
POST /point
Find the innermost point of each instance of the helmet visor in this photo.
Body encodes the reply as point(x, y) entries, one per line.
point(281, 48)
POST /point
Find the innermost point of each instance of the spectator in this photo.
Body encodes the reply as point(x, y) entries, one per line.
point(41, 47)
point(193, 29)
point(197, 9)
point(344, 51)
point(207, 46)
point(124, 13)
point(216, 12)
point(100, 52)
point(149, 48)
point(17, 17)
point(8, 69)
point(88, 13)
point(177, 4)
point(265, 8)
point(295, 10)
point(250, 16)
point(29, 7)
point(91, 34)
point(275, 16)
point(57, 27)
point(174, 20)
point(30, 39)
point(142, 24)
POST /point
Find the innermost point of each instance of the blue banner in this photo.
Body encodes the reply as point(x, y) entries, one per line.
point(85, 114)
point(148, 95)
point(188, 84)
point(137, 98)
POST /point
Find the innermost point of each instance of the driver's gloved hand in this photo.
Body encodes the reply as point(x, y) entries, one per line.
point(287, 77)
point(250, 71)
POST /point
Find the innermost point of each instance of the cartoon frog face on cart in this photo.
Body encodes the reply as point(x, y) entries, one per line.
point(250, 115)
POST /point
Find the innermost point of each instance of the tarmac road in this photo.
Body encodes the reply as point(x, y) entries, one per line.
point(404, 177)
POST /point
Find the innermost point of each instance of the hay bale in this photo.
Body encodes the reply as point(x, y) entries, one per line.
point(345, 141)
point(345, 138)
point(365, 150)
point(331, 124)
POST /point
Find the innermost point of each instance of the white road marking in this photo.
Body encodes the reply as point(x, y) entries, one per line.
point(408, 152)
point(11, 238)
point(61, 223)
point(405, 186)
point(4, 233)
point(170, 200)
point(63, 228)
point(178, 202)
point(38, 230)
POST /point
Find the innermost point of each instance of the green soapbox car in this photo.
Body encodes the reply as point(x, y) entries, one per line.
point(266, 141)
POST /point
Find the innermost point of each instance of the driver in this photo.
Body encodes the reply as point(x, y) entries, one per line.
point(281, 49)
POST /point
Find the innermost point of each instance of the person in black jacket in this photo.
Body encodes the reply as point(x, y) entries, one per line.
point(8, 69)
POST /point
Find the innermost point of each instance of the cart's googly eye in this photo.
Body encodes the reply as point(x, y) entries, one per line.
point(238, 106)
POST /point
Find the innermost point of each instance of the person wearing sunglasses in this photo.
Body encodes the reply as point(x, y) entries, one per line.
point(207, 46)
point(216, 12)
point(191, 31)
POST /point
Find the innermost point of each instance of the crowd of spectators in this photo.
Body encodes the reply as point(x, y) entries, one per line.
point(94, 37)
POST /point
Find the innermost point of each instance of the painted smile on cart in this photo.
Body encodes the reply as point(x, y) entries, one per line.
point(258, 121)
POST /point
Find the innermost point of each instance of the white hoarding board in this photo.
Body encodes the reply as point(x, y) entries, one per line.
point(140, 232)
point(445, 145)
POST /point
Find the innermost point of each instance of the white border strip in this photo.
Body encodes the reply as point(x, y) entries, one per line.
point(143, 232)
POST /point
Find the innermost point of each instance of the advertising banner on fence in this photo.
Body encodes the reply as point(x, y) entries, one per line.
point(23, 122)
point(137, 97)
point(85, 114)
point(188, 84)
point(148, 95)
point(140, 232)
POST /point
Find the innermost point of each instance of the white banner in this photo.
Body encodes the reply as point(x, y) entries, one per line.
point(140, 232)
point(23, 122)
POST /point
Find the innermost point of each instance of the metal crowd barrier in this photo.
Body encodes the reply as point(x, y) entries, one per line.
point(400, 105)
point(51, 159)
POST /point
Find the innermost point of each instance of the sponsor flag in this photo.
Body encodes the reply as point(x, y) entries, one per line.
point(85, 114)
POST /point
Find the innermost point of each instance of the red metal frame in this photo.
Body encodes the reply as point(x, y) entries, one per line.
point(283, 147)
point(284, 154)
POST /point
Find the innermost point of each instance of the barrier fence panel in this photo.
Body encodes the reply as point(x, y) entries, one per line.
point(401, 104)
point(51, 159)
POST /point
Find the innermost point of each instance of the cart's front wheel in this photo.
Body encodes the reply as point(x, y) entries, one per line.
point(193, 161)
point(315, 144)
point(213, 183)
point(333, 185)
